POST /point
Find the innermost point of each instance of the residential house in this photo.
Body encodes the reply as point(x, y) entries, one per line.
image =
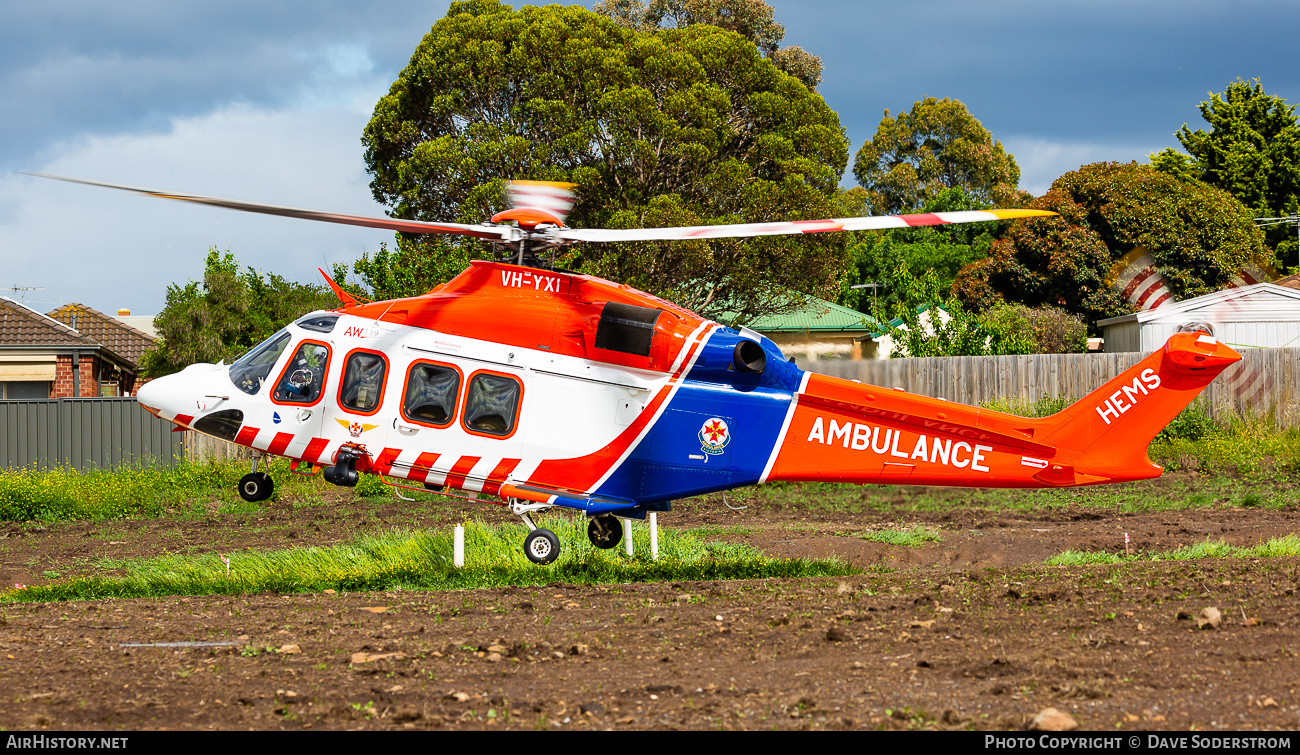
point(818, 331)
point(42, 357)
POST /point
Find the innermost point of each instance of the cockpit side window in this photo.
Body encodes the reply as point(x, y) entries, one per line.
point(250, 371)
point(303, 378)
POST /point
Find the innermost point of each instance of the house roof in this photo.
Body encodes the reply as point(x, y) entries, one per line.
point(1260, 302)
point(120, 338)
point(1290, 281)
point(817, 316)
point(23, 326)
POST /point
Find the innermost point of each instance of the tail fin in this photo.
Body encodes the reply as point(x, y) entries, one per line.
point(1106, 434)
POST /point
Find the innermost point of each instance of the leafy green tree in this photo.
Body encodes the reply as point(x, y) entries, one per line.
point(1252, 151)
point(226, 314)
point(943, 249)
point(1199, 237)
point(937, 145)
point(925, 319)
point(752, 19)
point(675, 127)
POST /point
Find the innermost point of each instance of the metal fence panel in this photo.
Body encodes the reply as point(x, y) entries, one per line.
point(84, 434)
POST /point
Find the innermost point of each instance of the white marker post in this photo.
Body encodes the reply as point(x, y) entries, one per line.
point(654, 536)
point(458, 546)
point(627, 536)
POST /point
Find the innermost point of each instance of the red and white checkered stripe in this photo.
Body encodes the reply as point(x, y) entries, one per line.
point(1136, 279)
point(1250, 274)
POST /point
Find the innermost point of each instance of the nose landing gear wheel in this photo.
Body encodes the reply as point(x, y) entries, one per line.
point(256, 486)
point(604, 531)
point(542, 546)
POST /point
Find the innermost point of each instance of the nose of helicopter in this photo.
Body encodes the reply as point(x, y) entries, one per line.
point(170, 395)
point(155, 394)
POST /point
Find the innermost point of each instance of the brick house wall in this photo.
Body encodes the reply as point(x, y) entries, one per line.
point(63, 377)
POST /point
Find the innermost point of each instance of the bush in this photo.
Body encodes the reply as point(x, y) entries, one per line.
point(1047, 330)
point(1191, 423)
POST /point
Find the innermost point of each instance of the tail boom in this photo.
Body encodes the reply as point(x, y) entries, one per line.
point(846, 431)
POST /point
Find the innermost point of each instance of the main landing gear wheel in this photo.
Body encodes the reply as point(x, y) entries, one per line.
point(604, 531)
point(256, 486)
point(542, 546)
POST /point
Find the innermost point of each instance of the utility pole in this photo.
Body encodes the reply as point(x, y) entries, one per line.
point(1288, 219)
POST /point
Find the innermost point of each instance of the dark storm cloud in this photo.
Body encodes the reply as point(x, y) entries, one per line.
point(1083, 71)
point(74, 68)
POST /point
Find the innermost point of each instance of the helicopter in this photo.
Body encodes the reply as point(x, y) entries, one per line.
point(535, 388)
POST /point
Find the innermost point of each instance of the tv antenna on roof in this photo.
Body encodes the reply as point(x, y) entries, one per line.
point(23, 297)
point(1288, 219)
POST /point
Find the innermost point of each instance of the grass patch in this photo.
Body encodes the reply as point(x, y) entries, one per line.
point(148, 491)
point(1278, 547)
point(913, 537)
point(403, 559)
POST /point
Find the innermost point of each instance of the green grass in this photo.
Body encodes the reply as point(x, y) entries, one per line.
point(146, 491)
point(913, 537)
point(1275, 548)
point(402, 559)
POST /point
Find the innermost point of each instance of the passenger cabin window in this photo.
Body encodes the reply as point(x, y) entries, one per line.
point(626, 328)
point(303, 378)
point(250, 371)
point(492, 404)
point(362, 389)
point(431, 391)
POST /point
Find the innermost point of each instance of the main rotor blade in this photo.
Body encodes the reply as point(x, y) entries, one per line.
point(873, 222)
point(494, 233)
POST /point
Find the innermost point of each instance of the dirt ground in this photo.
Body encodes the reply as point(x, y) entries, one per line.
point(972, 632)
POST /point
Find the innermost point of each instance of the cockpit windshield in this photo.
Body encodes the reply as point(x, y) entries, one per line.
point(250, 371)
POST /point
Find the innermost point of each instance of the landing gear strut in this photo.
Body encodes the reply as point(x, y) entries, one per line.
point(604, 531)
point(256, 486)
point(541, 546)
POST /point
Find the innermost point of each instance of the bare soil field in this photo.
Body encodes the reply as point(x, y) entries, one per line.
point(971, 632)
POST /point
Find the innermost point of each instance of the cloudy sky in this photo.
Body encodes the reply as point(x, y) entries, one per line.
point(267, 101)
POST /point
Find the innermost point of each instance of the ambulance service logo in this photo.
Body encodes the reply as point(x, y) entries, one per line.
point(714, 436)
point(355, 428)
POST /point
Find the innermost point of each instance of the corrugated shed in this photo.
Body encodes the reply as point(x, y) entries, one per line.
point(1264, 315)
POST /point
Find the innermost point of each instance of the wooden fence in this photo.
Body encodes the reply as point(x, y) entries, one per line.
point(1266, 382)
point(200, 447)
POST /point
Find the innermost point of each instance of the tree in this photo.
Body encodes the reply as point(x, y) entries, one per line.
point(944, 249)
point(926, 320)
point(1252, 151)
point(676, 127)
point(1198, 235)
point(937, 145)
point(751, 19)
point(228, 313)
